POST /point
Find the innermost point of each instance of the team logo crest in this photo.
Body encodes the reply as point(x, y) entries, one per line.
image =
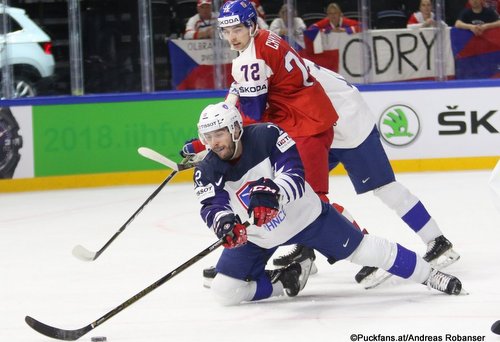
point(243, 195)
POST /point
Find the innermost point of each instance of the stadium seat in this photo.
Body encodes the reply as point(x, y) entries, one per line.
point(390, 19)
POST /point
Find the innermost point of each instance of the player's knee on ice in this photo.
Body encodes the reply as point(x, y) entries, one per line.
point(232, 291)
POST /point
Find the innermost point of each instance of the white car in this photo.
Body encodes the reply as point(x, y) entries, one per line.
point(28, 49)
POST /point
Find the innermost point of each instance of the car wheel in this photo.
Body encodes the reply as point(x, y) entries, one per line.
point(23, 87)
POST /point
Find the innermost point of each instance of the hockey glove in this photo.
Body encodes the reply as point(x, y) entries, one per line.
point(233, 232)
point(192, 147)
point(264, 201)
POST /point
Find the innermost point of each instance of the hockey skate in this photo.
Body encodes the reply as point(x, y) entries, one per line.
point(298, 253)
point(293, 277)
point(444, 282)
point(440, 254)
point(209, 275)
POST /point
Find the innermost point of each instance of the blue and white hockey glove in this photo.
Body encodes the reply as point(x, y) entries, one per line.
point(230, 227)
point(264, 201)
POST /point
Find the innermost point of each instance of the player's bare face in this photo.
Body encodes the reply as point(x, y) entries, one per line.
point(238, 36)
point(221, 142)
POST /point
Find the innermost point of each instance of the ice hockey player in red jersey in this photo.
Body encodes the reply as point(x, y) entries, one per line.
point(273, 85)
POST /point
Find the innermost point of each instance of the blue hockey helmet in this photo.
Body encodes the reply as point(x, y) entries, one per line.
point(237, 12)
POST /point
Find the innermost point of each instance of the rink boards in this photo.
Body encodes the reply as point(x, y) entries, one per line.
point(93, 140)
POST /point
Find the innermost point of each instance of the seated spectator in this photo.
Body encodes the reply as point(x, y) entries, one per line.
point(424, 17)
point(336, 22)
point(261, 23)
point(477, 18)
point(493, 4)
point(202, 24)
point(280, 26)
point(258, 7)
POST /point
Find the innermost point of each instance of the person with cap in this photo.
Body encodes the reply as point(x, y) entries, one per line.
point(202, 24)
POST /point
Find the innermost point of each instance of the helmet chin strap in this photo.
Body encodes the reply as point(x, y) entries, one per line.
point(254, 32)
point(235, 150)
point(236, 144)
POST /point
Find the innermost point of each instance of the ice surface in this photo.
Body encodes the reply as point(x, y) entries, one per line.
point(40, 277)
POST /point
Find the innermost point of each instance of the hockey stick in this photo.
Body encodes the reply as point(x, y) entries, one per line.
point(159, 158)
point(84, 254)
point(72, 335)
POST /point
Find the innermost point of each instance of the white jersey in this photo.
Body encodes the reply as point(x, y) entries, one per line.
point(356, 120)
point(223, 187)
point(195, 25)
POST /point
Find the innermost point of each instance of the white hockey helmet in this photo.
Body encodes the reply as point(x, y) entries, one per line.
point(218, 116)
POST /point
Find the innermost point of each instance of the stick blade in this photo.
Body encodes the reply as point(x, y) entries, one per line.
point(83, 253)
point(60, 334)
point(157, 157)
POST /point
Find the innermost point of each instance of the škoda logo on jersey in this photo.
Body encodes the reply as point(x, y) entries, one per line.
point(253, 90)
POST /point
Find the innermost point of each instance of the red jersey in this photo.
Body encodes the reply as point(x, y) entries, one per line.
point(350, 25)
point(275, 86)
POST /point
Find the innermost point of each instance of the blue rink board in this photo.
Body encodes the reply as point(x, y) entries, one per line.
point(200, 94)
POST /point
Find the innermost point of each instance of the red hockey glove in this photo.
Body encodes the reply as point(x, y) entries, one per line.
point(264, 201)
point(192, 147)
point(237, 237)
point(229, 228)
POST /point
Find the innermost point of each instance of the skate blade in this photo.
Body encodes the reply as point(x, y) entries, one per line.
point(464, 292)
point(306, 271)
point(375, 279)
point(446, 259)
point(207, 282)
point(314, 269)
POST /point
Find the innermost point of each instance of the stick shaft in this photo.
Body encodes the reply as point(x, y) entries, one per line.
point(72, 335)
point(137, 212)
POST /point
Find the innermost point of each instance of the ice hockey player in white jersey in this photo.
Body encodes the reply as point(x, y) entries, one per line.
point(255, 176)
point(358, 147)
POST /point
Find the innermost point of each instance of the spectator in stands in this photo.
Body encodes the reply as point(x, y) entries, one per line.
point(336, 22)
point(493, 4)
point(477, 18)
point(202, 24)
point(261, 23)
point(280, 26)
point(258, 7)
point(424, 17)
